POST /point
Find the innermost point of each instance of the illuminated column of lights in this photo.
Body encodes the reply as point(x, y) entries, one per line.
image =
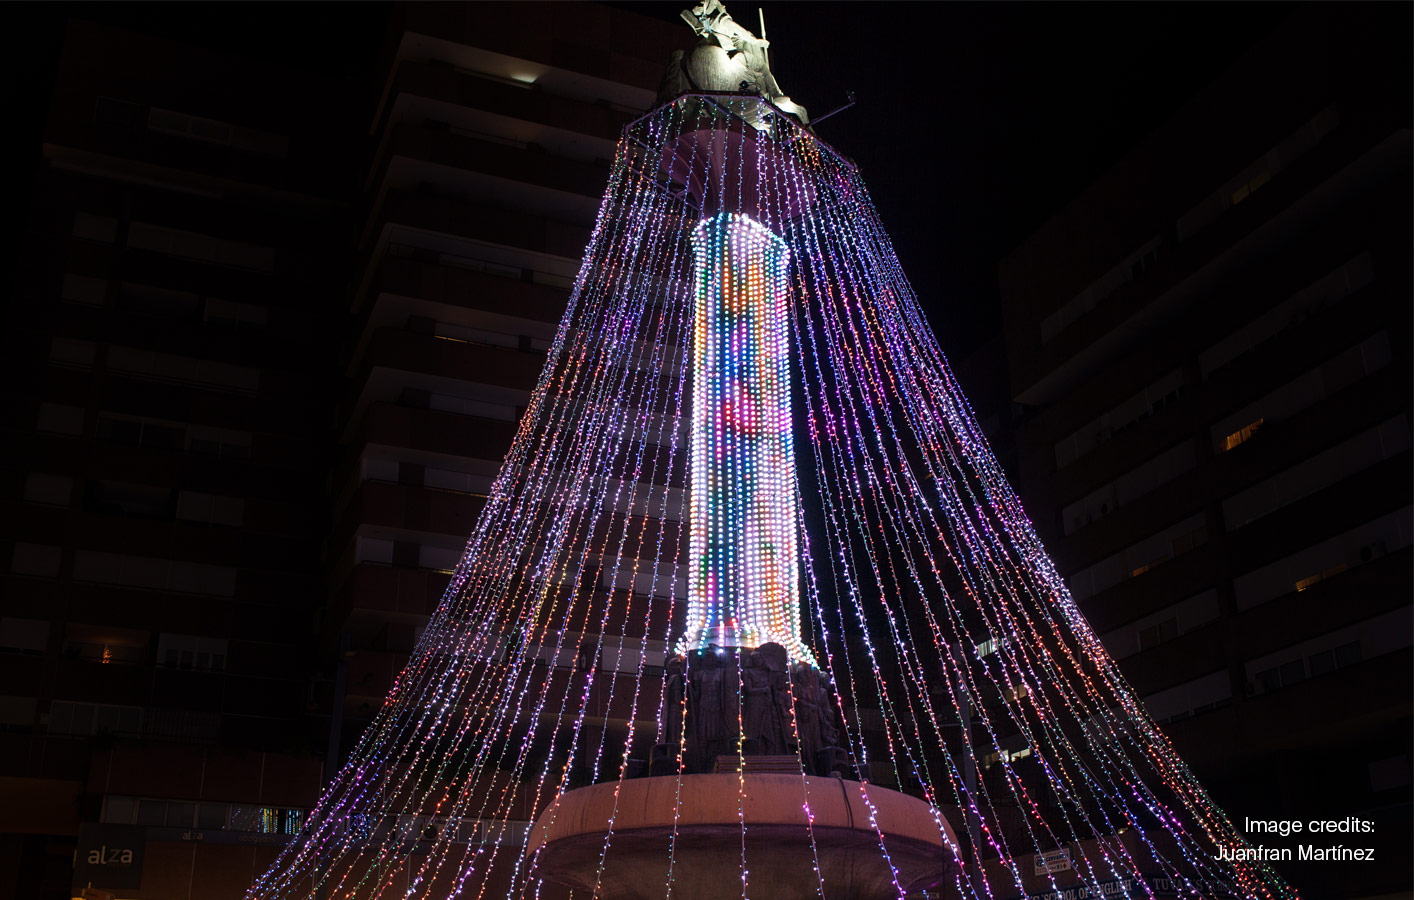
point(743, 569)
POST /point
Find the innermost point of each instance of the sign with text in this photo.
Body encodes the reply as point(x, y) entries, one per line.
point(109, 856)
point(1145, 887)
point(1054, 861)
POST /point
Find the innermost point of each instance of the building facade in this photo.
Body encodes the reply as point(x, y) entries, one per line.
point(1209, 355)
point(199, 618)
point(163, 501)
point(493, 139)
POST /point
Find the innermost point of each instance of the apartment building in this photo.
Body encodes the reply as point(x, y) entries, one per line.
point(1209, 351)
point(493, 136)
point(168, 364)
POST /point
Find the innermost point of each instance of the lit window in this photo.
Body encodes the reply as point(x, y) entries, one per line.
point(1305, 583)
point(1241, 435)
point(1250, 188)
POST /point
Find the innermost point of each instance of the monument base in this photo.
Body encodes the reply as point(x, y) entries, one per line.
point(625, 840)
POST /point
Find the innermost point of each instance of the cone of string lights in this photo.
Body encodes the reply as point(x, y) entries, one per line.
point(751, 609)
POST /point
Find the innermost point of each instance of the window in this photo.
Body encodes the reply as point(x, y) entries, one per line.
point(1317, 472)
point(1164, 625)
point(105, 645)
point(93, 227)
point(201, 247)
point(465, 406)
point(137, 501)
point(153, 434)
point(72, 353)
point(1118, 275)
point(154, 574)
point(17, 713)
point(55, 418)
point(191, 652)
point(120, 114)
point(1140, 557)
point(68, 717)
point(213, 509)
point(40, 560)
point(1242, 435)
point(229, 314)
point(119, 810)
point(1349, 646)
point(1257, 173)
point(1355, 547)
point(1156, 634)
point(150, 300)
point(1302, 392)
point(1327, 290)
point(265, 819)
point(1209, 692)
point(47, 489)
point(83, 289)
point(220, 442)
point(1307, 582)
point(1134, 484)
point(170, 367)
point(476, 335)
point(26, 637)
point(1348, 654)
point(1321, 663)
point(1120, 418)
point(214, 131)
point(1250, 187)
point(461, 482)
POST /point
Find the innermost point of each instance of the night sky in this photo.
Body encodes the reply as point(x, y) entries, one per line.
point(974, 122)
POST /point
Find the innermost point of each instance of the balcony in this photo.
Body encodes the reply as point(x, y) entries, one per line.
point(441, 82)
point(441, 213)
point(518, 172)
point(381, 591)
point(405, 351)
point(469, 289)
point(404, 508)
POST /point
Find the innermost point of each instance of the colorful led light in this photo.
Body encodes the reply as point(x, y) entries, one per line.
point(743, 569)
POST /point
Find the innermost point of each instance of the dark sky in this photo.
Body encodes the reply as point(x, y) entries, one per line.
point(974, 122)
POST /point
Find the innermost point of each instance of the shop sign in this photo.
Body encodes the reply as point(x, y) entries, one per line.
point(1054, 861)
point(109, 856)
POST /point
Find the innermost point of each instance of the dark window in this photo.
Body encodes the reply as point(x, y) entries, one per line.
point(152, 812)
point(1348, 654)
point(1270, 680)
point(211, 815)
point(1322, 662)
point(161, 437)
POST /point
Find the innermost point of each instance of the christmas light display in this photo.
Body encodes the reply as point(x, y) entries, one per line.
point(958, 667)
point(742, 565)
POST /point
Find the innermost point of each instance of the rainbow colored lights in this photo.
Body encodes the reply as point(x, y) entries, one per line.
point(743, 569)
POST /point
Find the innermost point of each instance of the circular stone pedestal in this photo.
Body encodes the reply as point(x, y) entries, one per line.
point(568, 840)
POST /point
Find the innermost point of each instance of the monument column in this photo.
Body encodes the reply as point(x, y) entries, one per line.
point(743, 575)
